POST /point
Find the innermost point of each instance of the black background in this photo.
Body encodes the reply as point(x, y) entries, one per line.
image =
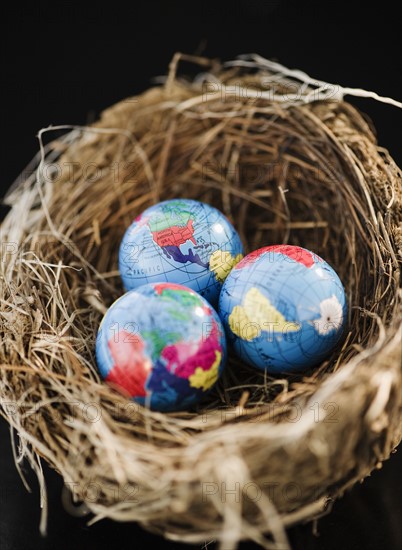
point(62, 63)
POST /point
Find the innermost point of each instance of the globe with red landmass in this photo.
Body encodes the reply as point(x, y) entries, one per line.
point(180, 241)
point(161, 345)
point(283, 308)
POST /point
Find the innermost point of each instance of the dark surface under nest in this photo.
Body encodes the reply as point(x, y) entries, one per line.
point(284, 169)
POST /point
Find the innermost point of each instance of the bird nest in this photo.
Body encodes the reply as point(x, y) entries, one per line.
point(288, 161)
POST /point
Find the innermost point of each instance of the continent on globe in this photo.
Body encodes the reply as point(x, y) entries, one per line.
point(331, 315)
point(158, 341)
point(130, 368)
point(180, 241)
point(162, 345)
point(202, 356)
point(174, 235)
point(221, 263)
point(172, 293)
point(296, 253)
point(284, 309)
point(255, 314)
point(170, 236)
point(251, 257)
point(206, 378)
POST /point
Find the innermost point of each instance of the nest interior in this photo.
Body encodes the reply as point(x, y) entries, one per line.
point(284, 170)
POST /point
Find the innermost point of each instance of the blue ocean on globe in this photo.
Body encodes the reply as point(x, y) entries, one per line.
point(284, 309)
point(180, 241)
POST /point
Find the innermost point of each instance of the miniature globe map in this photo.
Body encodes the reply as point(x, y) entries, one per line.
point(180, 241)
point(283, 308)
point(162, 345)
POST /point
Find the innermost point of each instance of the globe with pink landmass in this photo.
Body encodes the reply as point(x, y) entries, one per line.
point(161, 345)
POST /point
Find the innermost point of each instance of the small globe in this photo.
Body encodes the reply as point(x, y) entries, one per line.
point(180, 241)
point(162, 345)
point(283, 308)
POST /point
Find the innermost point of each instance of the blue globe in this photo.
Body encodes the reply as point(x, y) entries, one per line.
point(162, 345)
point(180, 241)
point(284, 309)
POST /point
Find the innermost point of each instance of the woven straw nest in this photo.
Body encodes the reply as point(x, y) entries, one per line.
point(289, 162)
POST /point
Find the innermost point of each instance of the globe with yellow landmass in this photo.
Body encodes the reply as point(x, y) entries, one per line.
point(180, 241)
point(162, 345)
point(284, 309)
